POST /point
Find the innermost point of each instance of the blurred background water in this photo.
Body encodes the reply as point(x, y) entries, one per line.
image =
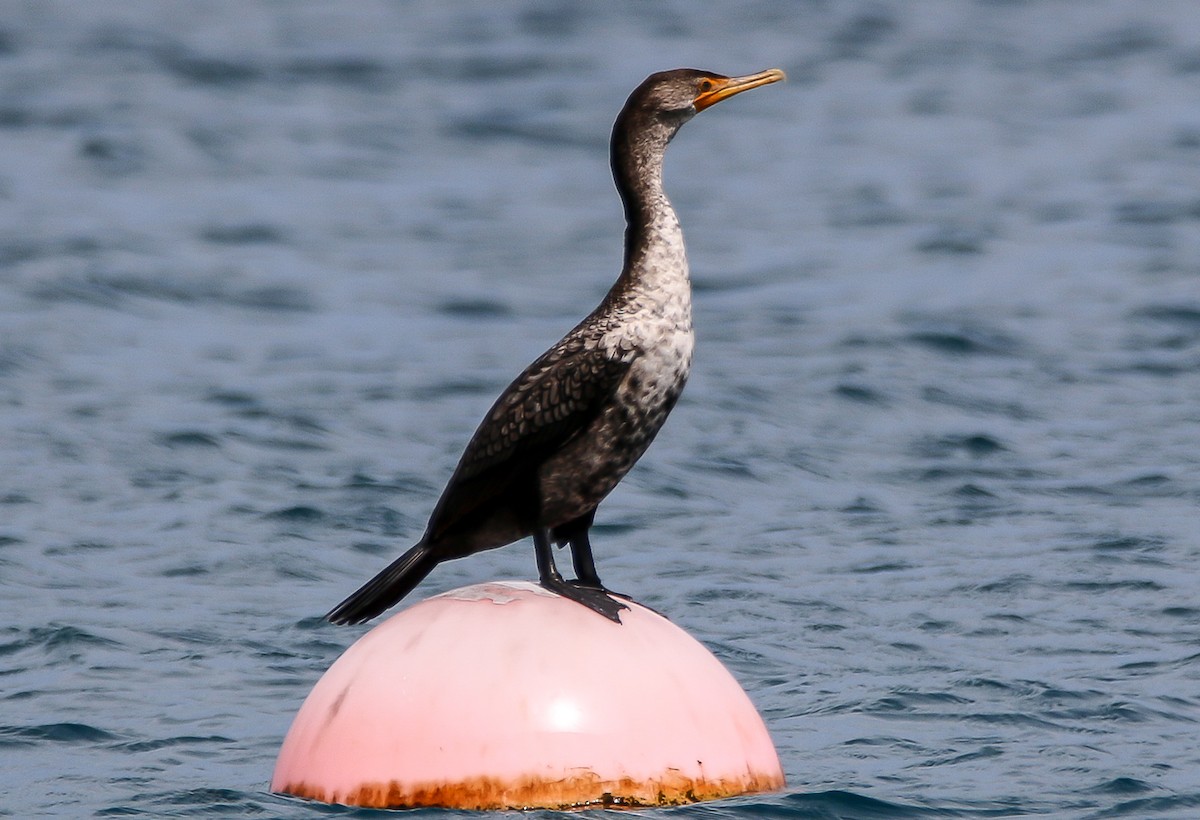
point(931, 494)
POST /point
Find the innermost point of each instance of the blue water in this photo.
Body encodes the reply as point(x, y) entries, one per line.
point(933, 493)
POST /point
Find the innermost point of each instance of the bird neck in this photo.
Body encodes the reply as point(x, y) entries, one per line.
point(654, 249)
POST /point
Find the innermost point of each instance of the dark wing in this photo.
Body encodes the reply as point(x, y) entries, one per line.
point(554, 400)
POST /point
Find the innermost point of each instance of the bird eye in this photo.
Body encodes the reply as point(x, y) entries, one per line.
point(706, 86)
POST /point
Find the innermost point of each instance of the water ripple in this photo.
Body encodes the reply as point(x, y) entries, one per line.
point(931, 492)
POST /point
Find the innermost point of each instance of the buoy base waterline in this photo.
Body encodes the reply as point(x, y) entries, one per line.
point(507, 696)
point(580, 792)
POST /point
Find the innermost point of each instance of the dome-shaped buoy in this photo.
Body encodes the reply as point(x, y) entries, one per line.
point(504, 695)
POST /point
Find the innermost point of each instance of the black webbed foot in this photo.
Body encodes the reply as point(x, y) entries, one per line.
point(593, 596)
point(599, 587)
point(594, 599)
point(631, 599)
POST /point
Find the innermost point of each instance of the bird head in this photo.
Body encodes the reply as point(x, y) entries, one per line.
point(665, 101)
point(686, 91)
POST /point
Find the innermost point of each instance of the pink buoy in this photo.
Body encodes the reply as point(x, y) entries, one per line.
point(506, 696)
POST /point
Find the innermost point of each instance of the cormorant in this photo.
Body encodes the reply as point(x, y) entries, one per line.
point(571, 426)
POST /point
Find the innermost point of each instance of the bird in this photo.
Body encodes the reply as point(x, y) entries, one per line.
point(572, 424)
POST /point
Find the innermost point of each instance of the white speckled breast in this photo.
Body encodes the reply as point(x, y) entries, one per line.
point(652, 321)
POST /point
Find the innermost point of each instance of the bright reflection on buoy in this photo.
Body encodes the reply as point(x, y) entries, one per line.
point(565, 715)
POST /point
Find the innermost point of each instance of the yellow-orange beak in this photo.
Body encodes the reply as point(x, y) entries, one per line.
point(715, 89)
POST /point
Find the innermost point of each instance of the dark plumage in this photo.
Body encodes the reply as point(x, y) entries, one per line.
point(571, 426)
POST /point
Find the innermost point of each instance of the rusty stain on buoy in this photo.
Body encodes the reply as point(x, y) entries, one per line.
point(582, 791)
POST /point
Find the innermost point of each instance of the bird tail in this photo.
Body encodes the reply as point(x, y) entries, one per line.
point(386, 588)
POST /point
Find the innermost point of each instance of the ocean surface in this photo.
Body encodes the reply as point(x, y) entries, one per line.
point(932, 494)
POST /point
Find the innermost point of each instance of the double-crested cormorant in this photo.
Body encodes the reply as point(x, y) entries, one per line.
point(571, 426)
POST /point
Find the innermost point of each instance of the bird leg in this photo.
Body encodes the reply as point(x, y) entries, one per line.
point(581, 558)
point(593, 597)
point(575, 533)
point(585, 565)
